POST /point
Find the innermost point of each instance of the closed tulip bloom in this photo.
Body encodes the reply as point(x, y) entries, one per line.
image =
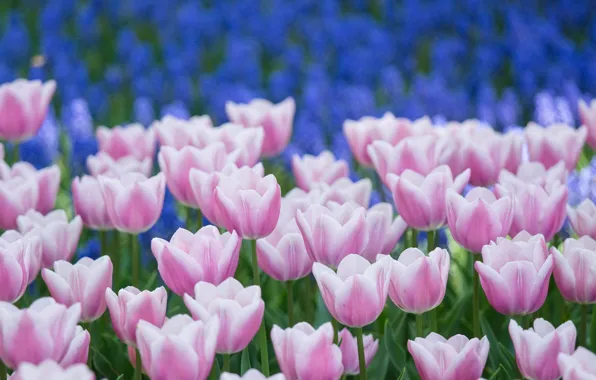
point(50, 370)
point(78, 349)
point(587, 115)
point(17, 195)
point(14, 260)
point(45, 330)
point(59, 238)
point(243, 144)
point(575, 269)
point(356, 294)
point(89, 204)
point(349, 351)
point(276, 120)
point(240, 311)
point(342, 191)
point(420, 200)
point(131, 305)
point(456, 358)
point(131, 140)
point(13, 241)
point(249, 204)
point(581, 365)
point(251, 374)
point(515, 273)
point(134, 202)
point(84, 282)
point(309, 169)
point(23, 106)
point(189, 258)
point(176, 166)
point(479, 218)
point(48, 181)
point(104, 164)
point(535, 173)
point(537, 349)
point(178, 133)
point(182, 349)
point(419, 154)
point(558, 142)
point(418, 282)
point(583, 218)
point(332, 234)
point(305, 353)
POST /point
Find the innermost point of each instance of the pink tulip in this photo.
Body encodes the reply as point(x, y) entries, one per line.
point(48, 181)
point(104, 164)
point(59, 238)
point(361, 133)
point(535, 209)
point(355, 295)
point(178, 133)
point(182, 349)
point(17, 195)
point(203, 186)
point(305, 353)
point(13, 241)
point(251, 374)
point(14, 260)
point(84, 282)
point(456, 358)
point(23, 106)
point(50, 370)
point(420, 200)
point(479, 218)
point(537, 349)
point(581, 365)
point(583, 218)
point(131, 140)
point(131, 306)
point(587, 115)
point(349, 351)
point(418, 282)
point(189, 258)
point(276, 120)
point(248, 203)
point(88, 202)
point(419, 154)
point(45, 330)
point(342, 191)
point(555, 143)
point(124, 197)
point(240, 311)
point(535, 173)
point(176, 165)
point(324, 168)
point(575, 269)
point(515, 273)
point(243, 144)
point(78, 350)
point(332, 234)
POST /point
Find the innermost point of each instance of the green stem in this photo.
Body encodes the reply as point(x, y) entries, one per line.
point(16, 155)
point(361, 358)
point(290, 297)
point(593, 330)
point(432, 315)
point(476, 301)
point(2, 371)
point(199, 219)
point(138, 366)
point(379, 185)
point(136, 260)
point(226, 363)
point(413, 235)
point(431, 239)
point(262, 330)
point(308, 295)
point(420, 325)
point(335, 325)
point(583, 325)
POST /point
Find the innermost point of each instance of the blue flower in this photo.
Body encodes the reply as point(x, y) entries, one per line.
point(42, 149)
point(91, 249)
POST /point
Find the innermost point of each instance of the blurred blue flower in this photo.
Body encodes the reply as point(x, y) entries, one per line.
point(42, 149)
point(91, 249)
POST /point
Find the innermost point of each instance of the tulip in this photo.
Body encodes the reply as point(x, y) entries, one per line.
point(23, 106)
point(251, 374)
point(456, 358)
point(89, 204)
point(17, 195)
point(418, 282)
point(131, 140)
point(324, 168)
point(182, 349)
point(349, 351)
point(276, 120)
point(50, 370)
point(577, 366)
point(248, 203)
point(45, 330)
point(124, 195)
point(420, 200)
point(240, 311)
point(84, 282)
point(515, 273)
point(332, 234)
point(305, 353)
point(575, 269)
point(535, 173)
point(131, 306)
point(419, 154)
point(243, 144)
point(583, 218)
point(356, 294)
point(104, 164)
point(176, 166)
point(479, 218)
point(48, 182)
point(178, 133)
point(189, 258)
point(342, 191)
point(30, 245)
point(59, 238)
point(587, 115)
point(14, 260)
point(558, 142)
point(537, 349)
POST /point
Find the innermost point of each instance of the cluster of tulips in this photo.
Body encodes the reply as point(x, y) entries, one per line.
point(324, 227)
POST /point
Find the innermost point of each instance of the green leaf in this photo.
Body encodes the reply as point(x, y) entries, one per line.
point(493, 355)
point(152, 281)
point(507, 359)
point(402, 375)
point(494, 375)
point(120, 377)
point(321, 313)
point(393, 345)
point(244, 362)
point(102, 364)
point(379, 365)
